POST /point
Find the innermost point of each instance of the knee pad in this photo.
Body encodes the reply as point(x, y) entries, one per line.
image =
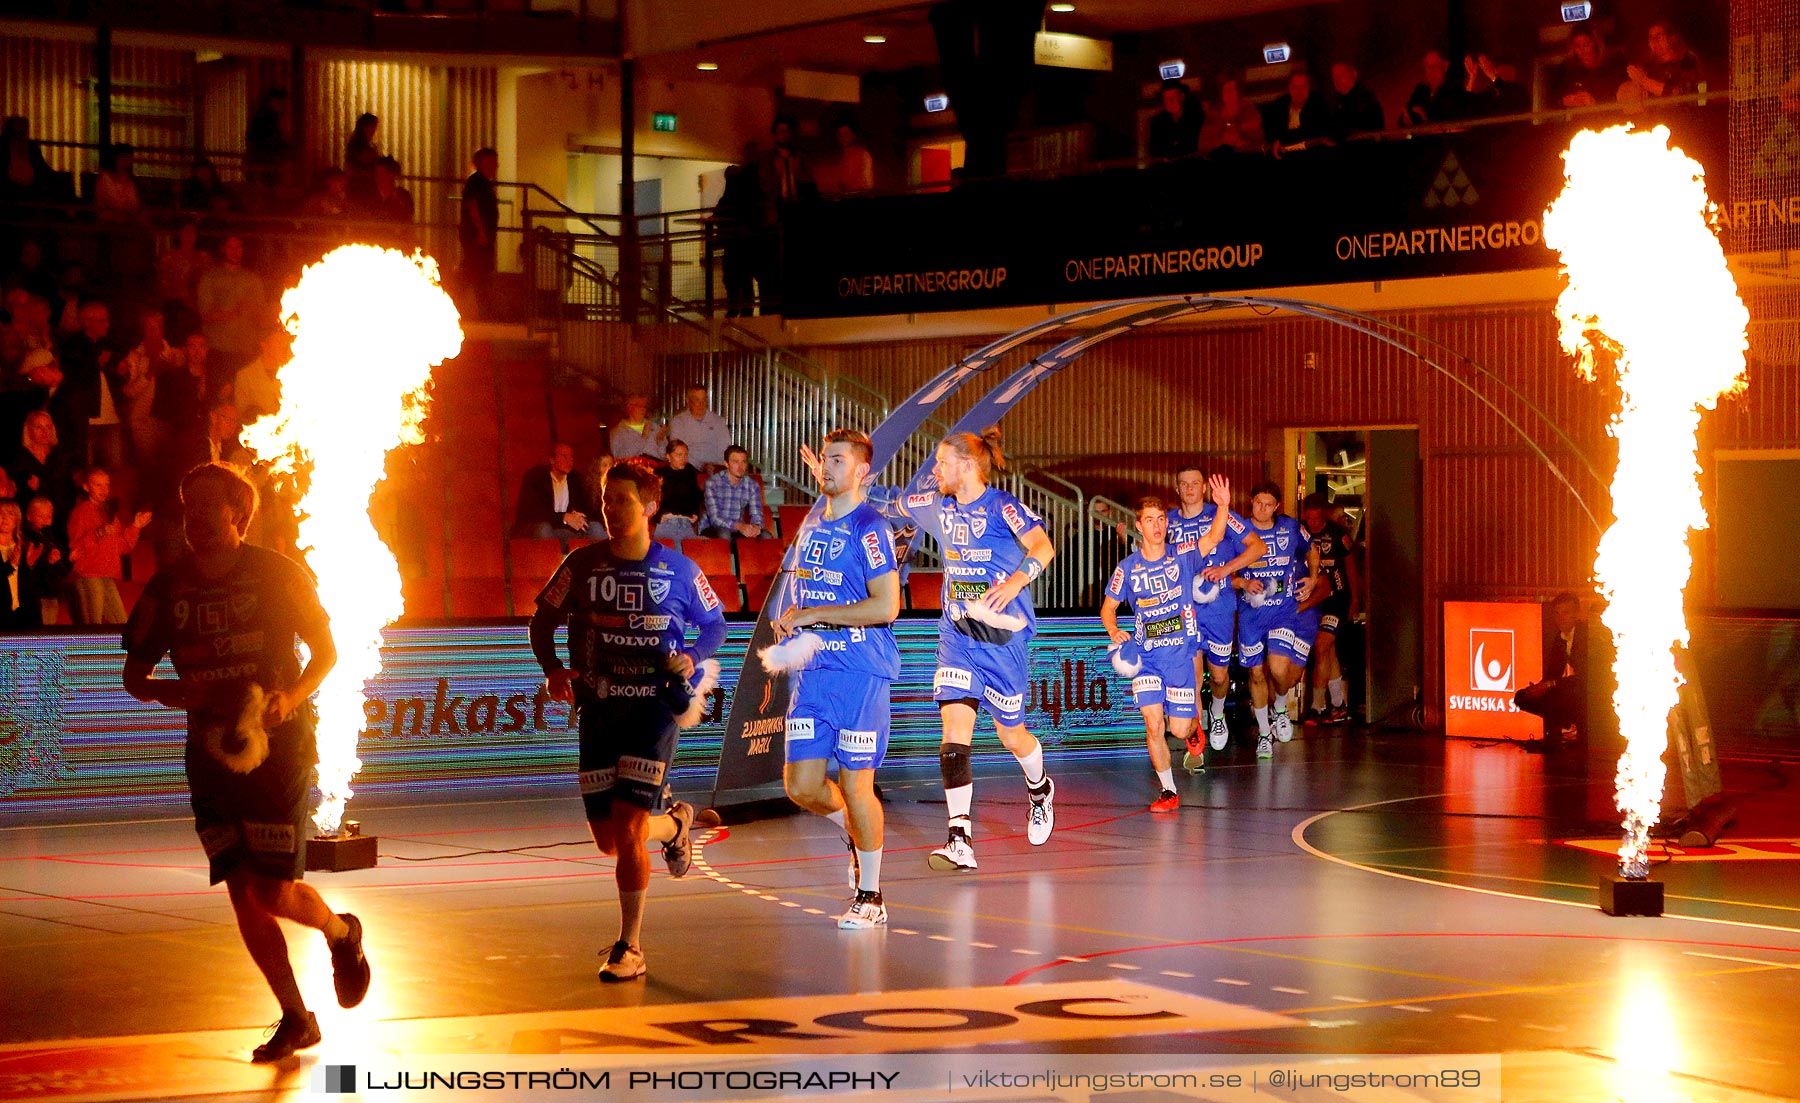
point(953, 760)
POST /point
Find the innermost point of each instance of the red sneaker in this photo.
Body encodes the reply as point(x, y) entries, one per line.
point(1166, 802)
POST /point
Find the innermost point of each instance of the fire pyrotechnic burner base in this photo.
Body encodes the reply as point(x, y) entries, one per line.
point(347, 850)
point(1630, 896)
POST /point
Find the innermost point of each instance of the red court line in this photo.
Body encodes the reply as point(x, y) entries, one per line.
point(598, 871)
point(1019, 978)
point(839, 856)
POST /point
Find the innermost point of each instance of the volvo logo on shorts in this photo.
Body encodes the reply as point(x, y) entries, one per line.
point(799, 728)
point(643, 771)
point(854, 742)
point(1491, 660)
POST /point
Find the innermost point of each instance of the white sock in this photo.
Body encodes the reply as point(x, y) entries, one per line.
point(631, 916)
point(1318, 698)
point(1338, 695)
point(1262, 720)
point(959, 799)
point(1033, 765)
point(1218, 706)
point(837, 818)
point(868, 865)
point(1167, 777)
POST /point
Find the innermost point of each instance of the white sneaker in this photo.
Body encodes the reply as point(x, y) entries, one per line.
point(1265, 747)
point(1218, 733)
point(957, 854)
point(866, 911)
point(1043, 814)
point(1284, 728)
point(624, 962)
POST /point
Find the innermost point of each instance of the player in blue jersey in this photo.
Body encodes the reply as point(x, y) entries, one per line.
point(628, 604)
point(1273, 642)
point(1215, 600)
point(845, 592)
point(1159, 584)
point(994, 548)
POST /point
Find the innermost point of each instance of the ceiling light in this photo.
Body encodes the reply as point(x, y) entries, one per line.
point(1064, 8)
point(708, 66)
point(874, 39)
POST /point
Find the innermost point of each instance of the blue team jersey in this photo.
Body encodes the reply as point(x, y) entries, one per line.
point(982, 545)
point(1184, 536)
point(834, 564)
point(1160, 593)
point(626, 616)
point(1283, 563)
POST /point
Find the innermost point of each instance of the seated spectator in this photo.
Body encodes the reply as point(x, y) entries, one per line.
point(42, 466)
point(1354, 109)
point(1560, 697)
point(152, 358)
point(636, 434)
point(733, 499)
point(1175, 130)
point(19, 608)
point(683, 502)
point(98, 545)
point(115, 188)
point(204, 192)
point(1231, 125)
point(1590, 74)
point(1436, 99)
point(256, 389)
point(46, 557)
point(1296, 116)
point(332, 200)
point(706, 433)
point(855, 168)
point(1673, 69)
point(28, 177)
point(555, 501)
point(389, 202)
point(1493, 88)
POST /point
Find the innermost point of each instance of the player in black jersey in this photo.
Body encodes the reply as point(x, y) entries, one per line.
point(227, 616)
point(1337, 563)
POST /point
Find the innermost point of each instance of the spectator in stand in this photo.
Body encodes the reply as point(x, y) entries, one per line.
point(233, 312)
point(636, 434)
point(42, 466)
point(741, 235)
point(28, 178)
point(19, 608)
point(46, 557)
point(1296, 116)
point(683, 502)
point(221, 443)
point(269, 145)
point(256, 389)
point(1354, 109)
point(204, 192)
point(115, 188)
point(178, 273)
point(66, 299)
point(785, 177)
point(30, 272)
point(1232, 125)
point(1175, 130)
point(478, 231)
point(556, 501)
point(332, 200)
point(1590, 74)
point(734, 505)
point(98, 545)
point(1436, 99)
point(855, 168)
point(40, 375)
point(15, 397)
point(361, 154)
point(390, 202)
point(1493, 88)
point(150, 360)
point(706, 433)
point(86, 418)
point(181, 397)
point(1673, 70)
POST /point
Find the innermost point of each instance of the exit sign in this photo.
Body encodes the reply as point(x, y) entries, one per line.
point(663, 121)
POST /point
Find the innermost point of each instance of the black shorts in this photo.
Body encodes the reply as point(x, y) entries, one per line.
point(627, 746)
point(1334, 613)
point(260, 819)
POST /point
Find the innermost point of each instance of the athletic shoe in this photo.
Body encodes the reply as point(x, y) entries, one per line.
point(1265, 747)
point(349, 968)
point(1314, 717)
point(866, 911)
point(1218, 733)
point(624, 962)
point(1043, 814)
point(1283, 727)
point(291, 1033)
point(1339, 714)
point(678, 852)
point(1194, 761)
point(957, 854)
point(1166, 801)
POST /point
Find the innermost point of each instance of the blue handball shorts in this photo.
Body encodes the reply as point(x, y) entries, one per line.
point(626, 747)
point(1167, 680)
point(839, 715)
point(1217, 623)
point(1294, 638)
point(1257, 625)
point(997, 675)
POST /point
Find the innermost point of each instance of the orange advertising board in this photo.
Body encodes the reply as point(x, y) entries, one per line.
point(1492, 650)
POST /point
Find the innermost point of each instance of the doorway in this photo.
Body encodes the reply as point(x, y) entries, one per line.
point(1369, 476)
